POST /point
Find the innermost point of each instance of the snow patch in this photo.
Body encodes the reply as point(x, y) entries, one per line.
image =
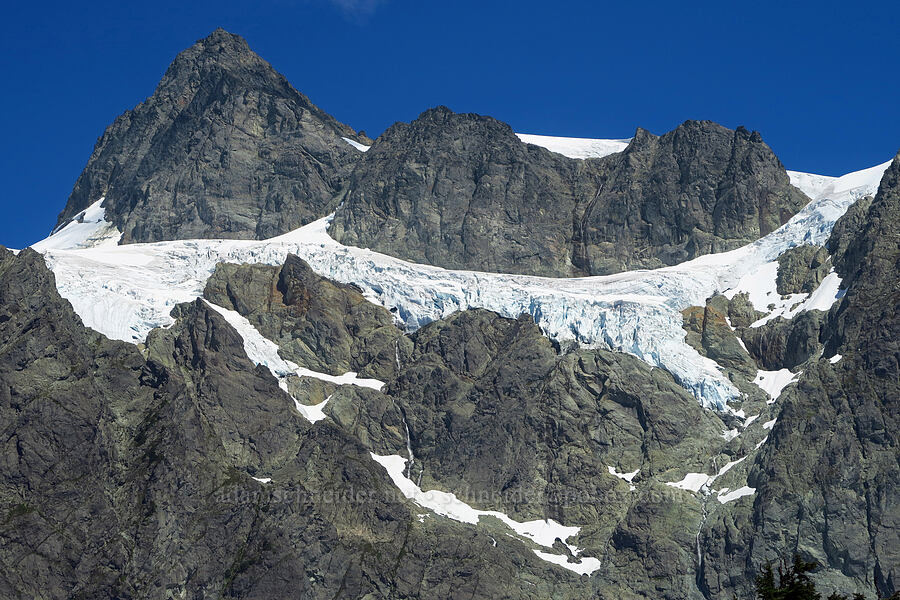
point(692, 482)
point(575, 147)
point(357, 145)
point(695, 482)
point(770, 424)
point(542, 532)
point(588, 564)
point(773, 382)
point(626, 476)
point(834, 359)
point(725, 496)
point(87, 229)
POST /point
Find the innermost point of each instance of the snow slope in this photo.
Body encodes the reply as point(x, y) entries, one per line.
point(125, 291)
point(88, 229)
point(575, 147)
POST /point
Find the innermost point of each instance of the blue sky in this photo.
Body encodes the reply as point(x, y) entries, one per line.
point(818, 80)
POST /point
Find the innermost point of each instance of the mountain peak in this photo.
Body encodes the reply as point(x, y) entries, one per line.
point(221, 43)
point(177, 164)
point(220, 52)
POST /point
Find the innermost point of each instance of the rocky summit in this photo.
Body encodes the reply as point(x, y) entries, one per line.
point(224, 148)
point(333, 374)
point(461, 191)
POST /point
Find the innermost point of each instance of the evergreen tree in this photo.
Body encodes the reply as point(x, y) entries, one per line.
point(793, 582)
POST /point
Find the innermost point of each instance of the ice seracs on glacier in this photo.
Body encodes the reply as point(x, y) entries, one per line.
point(125, 291)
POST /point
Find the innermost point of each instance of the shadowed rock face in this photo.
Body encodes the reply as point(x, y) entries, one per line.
point(224, 147)
point(125, 476)
point(318, 324)
point(461, 191)
point(827, 478)
point(698, 189)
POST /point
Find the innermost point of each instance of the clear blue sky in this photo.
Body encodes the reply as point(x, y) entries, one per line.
point(818, 80)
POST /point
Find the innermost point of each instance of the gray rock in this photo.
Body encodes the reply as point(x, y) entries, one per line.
point(741, 312)
point(122, 476)
point(826, 479)
point(698, 189)
point(708, 331)
point(224, 148)
point(802, 269)
point(785, 344)
point(461, 191)
point(319, 324)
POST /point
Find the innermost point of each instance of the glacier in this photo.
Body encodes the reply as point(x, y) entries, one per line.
point(125, 291)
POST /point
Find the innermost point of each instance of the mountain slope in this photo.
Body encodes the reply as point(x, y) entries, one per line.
point(187, 472)
point(224, 147)
point(461, 191)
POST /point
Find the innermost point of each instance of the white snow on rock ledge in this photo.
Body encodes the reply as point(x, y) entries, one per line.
point(264, 352)
point(575, 147)
point(357, 145)
point(724, 496)
point(541, 532)
point(773, 382)
point(125, 291)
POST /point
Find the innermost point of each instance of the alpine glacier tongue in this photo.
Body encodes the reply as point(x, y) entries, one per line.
point(125, 291)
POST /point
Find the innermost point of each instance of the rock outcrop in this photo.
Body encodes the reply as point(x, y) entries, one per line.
point(826, 479)
point(318, 324)
point(224, 148)
point(462, 191)
point(802, 269)
point(189, 474)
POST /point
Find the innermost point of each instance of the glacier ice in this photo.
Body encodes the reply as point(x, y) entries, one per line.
point(125, 291)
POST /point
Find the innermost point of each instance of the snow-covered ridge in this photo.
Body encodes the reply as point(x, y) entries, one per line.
point(125, 291)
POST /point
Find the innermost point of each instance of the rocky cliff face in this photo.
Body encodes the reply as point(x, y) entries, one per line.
point(698, 189)
point(186, 472)
point(224, 147)
point(461, 191)
point(827, 478)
